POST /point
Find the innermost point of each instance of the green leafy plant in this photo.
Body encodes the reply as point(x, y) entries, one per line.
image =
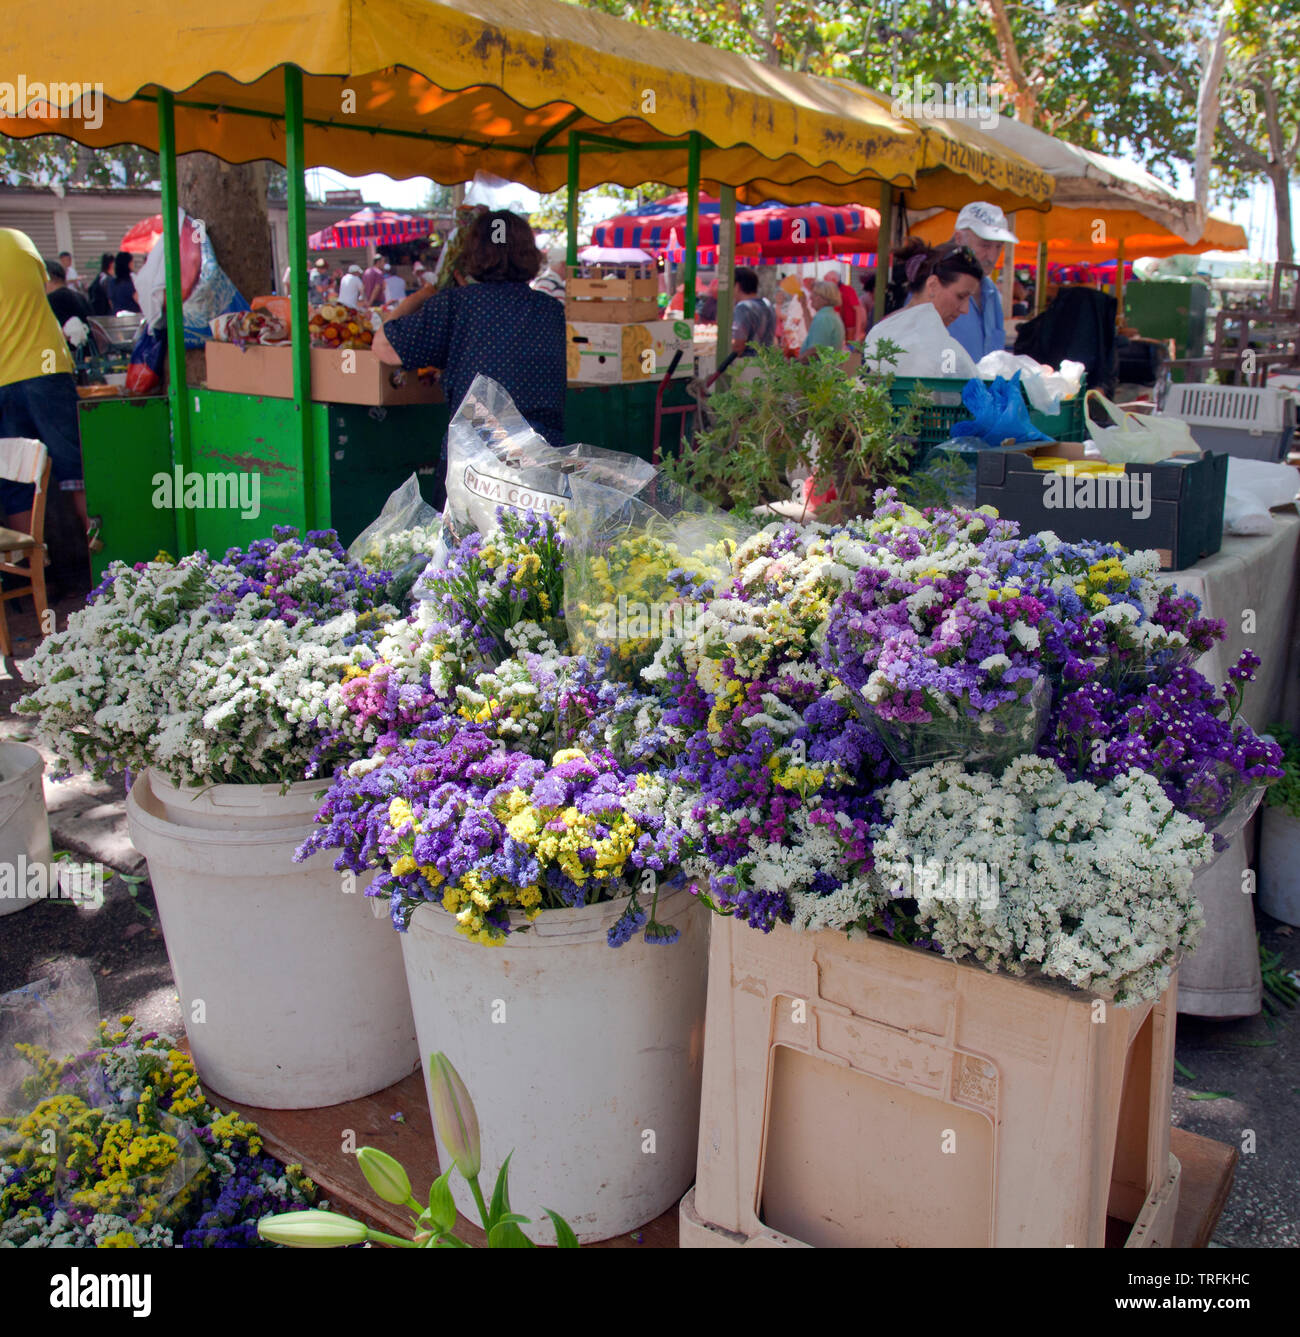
point(841, 428)
point(457, 1121)
point(1285, 793)
point(1281, 989)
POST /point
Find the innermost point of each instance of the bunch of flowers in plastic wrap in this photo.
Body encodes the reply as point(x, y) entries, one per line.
point(120, 1149)
point(492, 584)
point(939, 648)
point(208, 674)
point(1211, 765)
point(496, 837)
point(1090, 884)
point(772, 778)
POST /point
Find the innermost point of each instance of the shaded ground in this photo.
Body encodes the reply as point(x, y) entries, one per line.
point(1253, 1065)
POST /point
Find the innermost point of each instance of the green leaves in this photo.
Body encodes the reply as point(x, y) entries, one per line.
point(442, 1208)
point(564, 1236)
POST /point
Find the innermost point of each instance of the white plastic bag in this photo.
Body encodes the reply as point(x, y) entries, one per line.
point(1139, 438)
point(494, 458)
point(1046, 388)
point(929, 350)
point(1254, 488)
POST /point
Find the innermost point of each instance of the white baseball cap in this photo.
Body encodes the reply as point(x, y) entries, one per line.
point(987, 222)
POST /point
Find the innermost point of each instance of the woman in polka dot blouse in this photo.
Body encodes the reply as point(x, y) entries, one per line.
point(495, 324)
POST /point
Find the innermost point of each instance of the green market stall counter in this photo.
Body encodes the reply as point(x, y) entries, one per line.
point(246, 456)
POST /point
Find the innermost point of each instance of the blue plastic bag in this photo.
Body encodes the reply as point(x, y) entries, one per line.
point(1000, 412)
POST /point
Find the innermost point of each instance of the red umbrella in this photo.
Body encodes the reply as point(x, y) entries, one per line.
point(143, 236)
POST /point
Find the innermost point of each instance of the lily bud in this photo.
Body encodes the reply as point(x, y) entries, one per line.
point(453, 1113)
point(312, 1230)
point(385, 1175)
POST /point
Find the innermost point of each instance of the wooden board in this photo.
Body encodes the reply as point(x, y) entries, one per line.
point(315, 1140)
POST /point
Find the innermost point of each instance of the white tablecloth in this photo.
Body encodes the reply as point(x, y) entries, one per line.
point(1248, 575)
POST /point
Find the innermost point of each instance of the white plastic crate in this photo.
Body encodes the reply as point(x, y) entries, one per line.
point(1240, 420)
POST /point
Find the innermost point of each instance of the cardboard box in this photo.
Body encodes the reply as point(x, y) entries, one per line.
point(338, 375)
point(600, 354)
point(1174, 507)
point(611, 313)
point(612, 290)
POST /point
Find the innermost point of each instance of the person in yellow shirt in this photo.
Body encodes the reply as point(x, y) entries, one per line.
point(38, 389)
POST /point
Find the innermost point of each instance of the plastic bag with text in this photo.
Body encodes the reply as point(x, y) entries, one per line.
point(495, 459)
point(641, 568)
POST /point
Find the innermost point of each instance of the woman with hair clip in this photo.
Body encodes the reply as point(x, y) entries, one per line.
point(940, 285)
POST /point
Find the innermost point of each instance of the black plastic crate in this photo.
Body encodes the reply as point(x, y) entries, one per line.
point(1184, 523)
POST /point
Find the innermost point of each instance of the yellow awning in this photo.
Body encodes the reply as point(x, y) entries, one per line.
point(1070, 234)
point(414, 87)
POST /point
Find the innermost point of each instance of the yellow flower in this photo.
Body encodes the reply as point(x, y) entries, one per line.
point(406, 864)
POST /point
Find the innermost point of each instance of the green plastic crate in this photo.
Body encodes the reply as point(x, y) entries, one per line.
point(935, 421)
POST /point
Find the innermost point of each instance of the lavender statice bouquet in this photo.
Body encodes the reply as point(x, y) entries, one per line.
point(939, 649)
point(497, 837)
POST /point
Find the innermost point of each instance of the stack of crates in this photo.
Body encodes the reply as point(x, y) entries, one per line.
point(615, 335)
point(1253, 424)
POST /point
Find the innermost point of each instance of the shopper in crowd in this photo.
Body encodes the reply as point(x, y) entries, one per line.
point(64, 301)
point(72, 278)
point(350, 287)
point(753, 323)
point(372, 282)
point(394, 285)
point(553, 278)
point(121, 288)
point(38, 391)
point(496, 325)
point(100, 304)
point(851, 312)
point(318, 283)
point(982, 328)
point(825, 326)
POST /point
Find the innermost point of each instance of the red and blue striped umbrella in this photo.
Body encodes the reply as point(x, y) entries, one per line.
point(372, 227)
point(794, 232)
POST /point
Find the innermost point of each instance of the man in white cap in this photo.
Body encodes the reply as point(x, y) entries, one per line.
point(983, 227)
point(350, 287)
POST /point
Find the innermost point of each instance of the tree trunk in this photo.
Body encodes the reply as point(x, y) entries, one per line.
point(1207, 114)
point(231, 201)
point(1281, 182)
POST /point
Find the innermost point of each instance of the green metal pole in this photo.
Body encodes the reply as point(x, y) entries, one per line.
point(726, 269)
point(315, 460)
point(177, 401)
point(691, 259)
point(571, 205)
point(884, 245)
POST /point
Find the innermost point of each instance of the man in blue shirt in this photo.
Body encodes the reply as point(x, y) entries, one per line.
point(983, 227)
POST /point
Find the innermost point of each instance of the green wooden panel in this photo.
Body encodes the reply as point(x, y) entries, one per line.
point(239, 437)
point(125, 443)
point(373, 451)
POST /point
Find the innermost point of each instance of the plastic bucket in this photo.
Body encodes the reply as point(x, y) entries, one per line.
point(239, 807)
point(1279, 865)
point(582, 1059)
point(292, 991)
point(24, 826)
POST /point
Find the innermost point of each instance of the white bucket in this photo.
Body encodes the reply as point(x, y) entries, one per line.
point(24, 825)
point(1279, 865)
point(239, 807)
point(292, 991)
point(582, 1059)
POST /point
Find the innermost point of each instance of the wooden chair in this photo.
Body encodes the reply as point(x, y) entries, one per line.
point(24, 461)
